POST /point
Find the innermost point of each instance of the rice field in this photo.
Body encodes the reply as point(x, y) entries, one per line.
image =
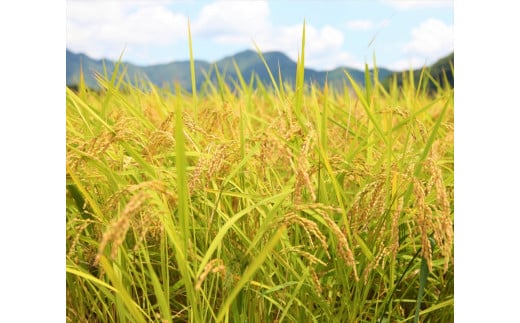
point(268, 203)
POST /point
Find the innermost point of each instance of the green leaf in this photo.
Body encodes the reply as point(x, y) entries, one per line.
point(250, 271)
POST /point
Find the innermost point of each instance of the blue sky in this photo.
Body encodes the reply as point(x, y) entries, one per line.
point(401, 33)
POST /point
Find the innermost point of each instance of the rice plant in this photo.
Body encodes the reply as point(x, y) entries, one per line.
point(281, 203)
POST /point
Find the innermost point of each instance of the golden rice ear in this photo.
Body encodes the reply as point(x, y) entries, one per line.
point(117, 231)
point(343, 247)
point(423, 220)
point(214, 266)
point(442, 224)
point(304, 169)
point(310, 228)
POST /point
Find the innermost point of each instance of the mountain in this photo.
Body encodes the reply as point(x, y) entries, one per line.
point(443, 66)
point(248, 62)
point(159, 75)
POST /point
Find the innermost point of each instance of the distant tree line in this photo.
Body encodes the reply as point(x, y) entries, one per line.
point(441, 75)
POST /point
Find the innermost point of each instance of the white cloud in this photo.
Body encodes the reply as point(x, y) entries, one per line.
point(85, 12)
point(415, 4)
point(413, 62)
point(104, 29)
point(366, 24)
point(323, 46)
point(232, 20)
point(430, 41)
point(432, 38)
point(246, 23)
point(147, 25)
point(384, 23)
point(334, 59)
point(360, 24)
point(143, 29)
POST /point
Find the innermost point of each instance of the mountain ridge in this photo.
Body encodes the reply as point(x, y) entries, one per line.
point(248, 62)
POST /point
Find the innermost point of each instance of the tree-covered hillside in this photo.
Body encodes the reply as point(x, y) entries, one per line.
point(441, 74)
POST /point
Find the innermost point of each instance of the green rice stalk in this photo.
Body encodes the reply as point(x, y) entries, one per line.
point(89, 278)
point(192, 67)
point(250, 271)
point(91, 201)
point(135, 312)
point(447, 303)
point(423, 279)
point(300, 80)
point(273, 81)
point(217, 241)
point(160, 295)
